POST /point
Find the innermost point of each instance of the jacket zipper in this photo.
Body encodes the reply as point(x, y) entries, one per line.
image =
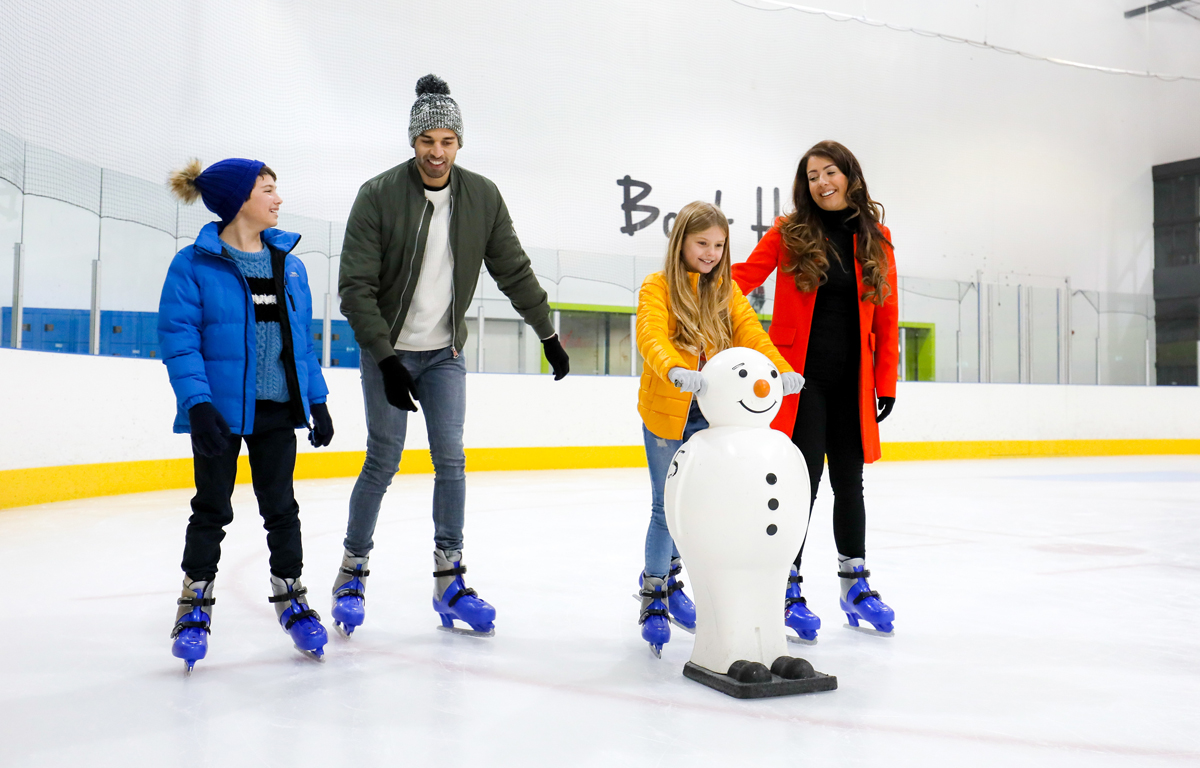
point(290, 373)
point(412, 264)
point(246, 321)
point(453, 277)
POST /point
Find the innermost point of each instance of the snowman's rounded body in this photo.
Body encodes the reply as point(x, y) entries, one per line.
point(736, 500)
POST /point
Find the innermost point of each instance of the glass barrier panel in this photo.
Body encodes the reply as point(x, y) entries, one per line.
point(1044, 333)
point(1004, 322)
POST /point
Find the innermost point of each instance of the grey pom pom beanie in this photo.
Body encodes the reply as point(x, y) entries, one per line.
point(433, 109)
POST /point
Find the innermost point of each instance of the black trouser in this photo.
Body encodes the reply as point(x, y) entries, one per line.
point(272, 450)
point(827, 424)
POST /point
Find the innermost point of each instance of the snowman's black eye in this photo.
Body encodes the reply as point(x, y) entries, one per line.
point(743, 373)
point(774, 374)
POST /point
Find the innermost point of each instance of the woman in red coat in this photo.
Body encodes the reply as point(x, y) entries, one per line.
point(835, 321)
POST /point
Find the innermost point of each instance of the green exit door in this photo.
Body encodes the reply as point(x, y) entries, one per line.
point(916, 352)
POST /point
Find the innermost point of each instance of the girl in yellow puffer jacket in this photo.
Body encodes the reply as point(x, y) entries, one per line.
point(686, 314)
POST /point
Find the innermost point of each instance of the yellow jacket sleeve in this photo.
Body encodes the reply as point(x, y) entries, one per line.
point(653, 331)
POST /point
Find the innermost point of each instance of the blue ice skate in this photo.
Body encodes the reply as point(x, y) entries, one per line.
point(680, 608)
point(656, 629)
point(193, 624)
point(349, 594)
point(302, 623)
point(796, 613)
point(457, 601)
point(861, 603)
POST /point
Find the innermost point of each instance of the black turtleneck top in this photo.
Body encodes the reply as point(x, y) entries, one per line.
point(833, 343)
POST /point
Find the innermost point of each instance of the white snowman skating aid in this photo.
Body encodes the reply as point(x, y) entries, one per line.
point(736, 501)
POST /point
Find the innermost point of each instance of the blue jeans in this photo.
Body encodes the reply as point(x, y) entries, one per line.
point(660, 548)
point(442, 391)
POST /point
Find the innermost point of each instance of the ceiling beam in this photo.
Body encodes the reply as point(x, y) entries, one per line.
point(1152, 7)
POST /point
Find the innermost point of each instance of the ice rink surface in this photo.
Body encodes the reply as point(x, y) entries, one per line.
point(1046, 615)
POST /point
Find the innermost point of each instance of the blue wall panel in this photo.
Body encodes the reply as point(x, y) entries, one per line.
point(134, 334)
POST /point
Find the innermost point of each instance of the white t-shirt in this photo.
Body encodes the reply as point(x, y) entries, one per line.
point(427, 325)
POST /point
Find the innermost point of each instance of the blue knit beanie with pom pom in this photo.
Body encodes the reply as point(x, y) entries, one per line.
point(224, 186)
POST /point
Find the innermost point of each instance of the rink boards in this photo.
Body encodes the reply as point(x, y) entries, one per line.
point(80, 426)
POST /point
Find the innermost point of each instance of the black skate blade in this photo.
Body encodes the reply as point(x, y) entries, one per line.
point(468, 632)
point(800, 640)
point(870, 631)
point(777, 687)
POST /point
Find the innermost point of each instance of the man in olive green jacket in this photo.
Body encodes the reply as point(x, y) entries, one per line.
point(415, 240)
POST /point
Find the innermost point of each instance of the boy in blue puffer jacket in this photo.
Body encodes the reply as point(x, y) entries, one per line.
point(233, 323)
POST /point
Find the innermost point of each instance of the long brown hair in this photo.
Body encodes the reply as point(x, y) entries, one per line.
point(804, 235)
point(701, 317)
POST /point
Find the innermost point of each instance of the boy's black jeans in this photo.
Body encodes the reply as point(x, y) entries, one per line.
point(272, 449)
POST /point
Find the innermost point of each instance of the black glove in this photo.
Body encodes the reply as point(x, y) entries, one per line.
point(210, 433)
point(885, 407)
point(560, 363)
point(398, 384)
point(322, 432)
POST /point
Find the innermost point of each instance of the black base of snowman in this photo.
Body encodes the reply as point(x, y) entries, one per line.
point(788, 676)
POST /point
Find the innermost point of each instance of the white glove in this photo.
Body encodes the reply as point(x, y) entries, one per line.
point(687, 380)
point(792, 383)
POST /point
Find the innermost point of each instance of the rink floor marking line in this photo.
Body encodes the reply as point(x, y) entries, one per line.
point(1115, 567)
point(848, 725)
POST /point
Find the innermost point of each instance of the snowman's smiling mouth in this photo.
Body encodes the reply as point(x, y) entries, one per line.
point(748, 408)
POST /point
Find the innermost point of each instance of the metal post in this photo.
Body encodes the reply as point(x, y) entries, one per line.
point(327, 333)
point(607, 344)
point(1069, 331)
point(903, 372)
point(18, 302)
point(989, 333)
point(1097, 353)
point(1022, 353)
point(94, 324)
point(1149, 349)
point(978, 326)
point(1028, 338)
point(1058, 337)
point(633, 348)
point(958, 356)
point(522, 333)
point(479, 343)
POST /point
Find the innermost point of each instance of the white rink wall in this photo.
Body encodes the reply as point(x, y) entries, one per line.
point(61, 409)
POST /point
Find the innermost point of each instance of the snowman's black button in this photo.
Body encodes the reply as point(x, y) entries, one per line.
point(771, 478)
point(771, 529)
point(773, 504)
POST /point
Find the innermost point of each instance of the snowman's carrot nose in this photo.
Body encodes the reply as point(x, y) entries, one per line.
point(762, 388)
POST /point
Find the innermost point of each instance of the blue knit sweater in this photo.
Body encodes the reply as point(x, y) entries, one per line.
point(270, 383)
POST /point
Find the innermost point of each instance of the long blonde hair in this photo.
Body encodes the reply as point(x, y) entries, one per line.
point(701, 317)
